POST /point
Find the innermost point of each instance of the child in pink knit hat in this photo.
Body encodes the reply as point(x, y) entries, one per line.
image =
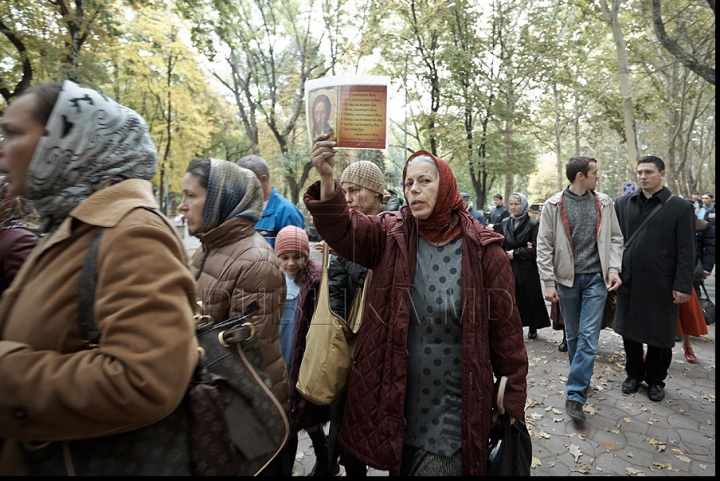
point(302, 277)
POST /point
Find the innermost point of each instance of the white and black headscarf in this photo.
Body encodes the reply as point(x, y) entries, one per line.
point(523, 207)
point(232, 192)
point(90, 142)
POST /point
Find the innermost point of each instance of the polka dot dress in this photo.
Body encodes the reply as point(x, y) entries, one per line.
point(433, 397)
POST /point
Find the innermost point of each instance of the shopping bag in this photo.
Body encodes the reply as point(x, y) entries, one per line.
point(330, 344)
point(510, 446)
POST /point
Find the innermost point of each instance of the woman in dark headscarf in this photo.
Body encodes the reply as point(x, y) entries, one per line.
point(236, 265)
point(18, 234)
point(439, 323)
point(85, 163)
point(521, 231)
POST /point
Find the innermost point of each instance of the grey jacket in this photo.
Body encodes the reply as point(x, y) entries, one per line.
point(554, 255)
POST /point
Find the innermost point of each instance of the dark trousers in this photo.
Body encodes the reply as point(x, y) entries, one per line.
point(653, 369)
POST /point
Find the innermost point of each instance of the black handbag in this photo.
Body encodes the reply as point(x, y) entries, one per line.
point(708, 307)
point(509, 450)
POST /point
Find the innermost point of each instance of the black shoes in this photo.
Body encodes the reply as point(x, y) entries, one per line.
point(563, 346)
point(532, 333)
point(678, 338)
point(630, 385)
point(656, 392)
point(575, 411)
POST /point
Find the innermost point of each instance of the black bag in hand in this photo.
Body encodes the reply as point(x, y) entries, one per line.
point(708, 307)
point(510, 447)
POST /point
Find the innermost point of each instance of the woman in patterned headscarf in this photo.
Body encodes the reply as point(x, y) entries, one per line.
point(18, 234)
point(520, 231)
point(84, 162)
point(438, 324)
point(236, 265)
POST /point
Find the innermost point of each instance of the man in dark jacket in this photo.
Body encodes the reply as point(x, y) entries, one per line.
point(657, 276)
point(499, 212)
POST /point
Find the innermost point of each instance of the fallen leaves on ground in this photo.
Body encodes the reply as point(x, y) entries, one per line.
point(575, 451)
point(633, 471)
point(661, 446)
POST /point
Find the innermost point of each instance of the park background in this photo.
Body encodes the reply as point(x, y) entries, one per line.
point(505, 91)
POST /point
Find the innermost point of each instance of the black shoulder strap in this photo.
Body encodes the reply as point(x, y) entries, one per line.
point(86, 294)
point(645, 221)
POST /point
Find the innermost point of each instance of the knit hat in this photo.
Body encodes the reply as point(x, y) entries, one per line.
point(292, 239)
point(366, 174)
point(465, 196)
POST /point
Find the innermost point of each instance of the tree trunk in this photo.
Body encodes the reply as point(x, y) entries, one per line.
point(628, 109)
point(558, 138)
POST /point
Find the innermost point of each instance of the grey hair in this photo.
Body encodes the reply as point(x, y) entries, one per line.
point(424, 158)
point(255, 163)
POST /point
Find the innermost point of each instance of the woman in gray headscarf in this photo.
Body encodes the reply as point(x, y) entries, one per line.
point(235, 265)
point(84, 162)
point(521, 231)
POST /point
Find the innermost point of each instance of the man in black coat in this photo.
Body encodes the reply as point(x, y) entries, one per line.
point(657, 276)
point(497, 213)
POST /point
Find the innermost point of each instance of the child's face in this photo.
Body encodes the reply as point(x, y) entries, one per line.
point(292, 262)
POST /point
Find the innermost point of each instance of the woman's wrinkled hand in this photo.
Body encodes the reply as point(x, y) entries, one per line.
point(322, 155)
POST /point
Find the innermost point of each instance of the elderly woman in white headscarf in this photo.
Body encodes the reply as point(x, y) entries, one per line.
point(521, 231)
point(235, 265)
point(84, 163)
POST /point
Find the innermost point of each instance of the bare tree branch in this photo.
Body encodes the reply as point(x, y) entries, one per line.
point(705, 71)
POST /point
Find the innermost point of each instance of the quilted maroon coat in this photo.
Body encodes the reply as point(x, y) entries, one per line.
point(492, 343)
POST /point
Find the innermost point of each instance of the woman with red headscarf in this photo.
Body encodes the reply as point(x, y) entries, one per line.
point(439, 324)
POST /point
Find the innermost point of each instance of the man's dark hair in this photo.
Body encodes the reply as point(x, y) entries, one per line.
point(709, 194)
point(576, 165)
point(497, 196)
point(200, 168)
point(651, 159)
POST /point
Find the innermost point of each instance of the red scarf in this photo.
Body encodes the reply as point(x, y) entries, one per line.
point(443, 224)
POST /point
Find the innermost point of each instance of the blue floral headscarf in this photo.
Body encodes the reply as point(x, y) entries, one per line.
point(232, 192)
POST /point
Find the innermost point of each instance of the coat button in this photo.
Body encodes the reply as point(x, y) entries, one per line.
point(20, 414)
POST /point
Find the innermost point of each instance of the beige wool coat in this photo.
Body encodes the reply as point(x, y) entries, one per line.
point(52, 387)
point(234, 267)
